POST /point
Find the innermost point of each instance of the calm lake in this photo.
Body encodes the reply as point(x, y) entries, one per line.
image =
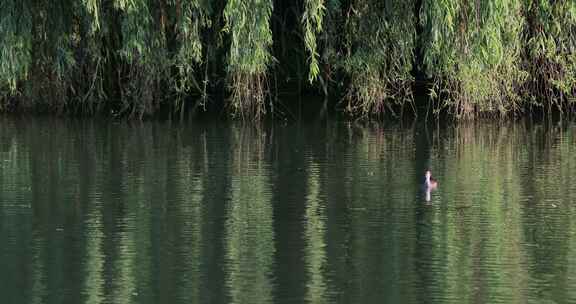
point(326, 212)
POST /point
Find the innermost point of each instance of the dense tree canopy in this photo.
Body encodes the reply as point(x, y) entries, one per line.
point(133, 57)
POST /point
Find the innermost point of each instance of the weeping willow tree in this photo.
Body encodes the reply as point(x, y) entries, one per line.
point(88, 83)
point(472, 53)
point(380, 41)
point(135, 58)
point(551, 52)
point(143, 49)
point(79, 55)
point(36, 56)
point(248, 22)
point(192, 18)
point(15, 47)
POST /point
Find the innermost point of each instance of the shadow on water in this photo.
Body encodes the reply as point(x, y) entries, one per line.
point(323, 211)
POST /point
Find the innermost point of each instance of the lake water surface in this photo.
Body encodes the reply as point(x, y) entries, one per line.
point(326, 212)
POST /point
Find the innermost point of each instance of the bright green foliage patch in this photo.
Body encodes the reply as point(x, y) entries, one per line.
point(248, 22)
point(312, 20)
point(551, 52)
point(380, 41)
point(472, 51)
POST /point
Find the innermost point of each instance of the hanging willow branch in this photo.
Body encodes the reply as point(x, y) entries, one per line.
point(192, 17)
point(380, 41)
point(550, 55)
point(248, 23)
point(312, 22)
point(15, 44)
point(144, 51)
point(472, 50)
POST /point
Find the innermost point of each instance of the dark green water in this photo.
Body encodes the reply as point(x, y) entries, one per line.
point(98, 212)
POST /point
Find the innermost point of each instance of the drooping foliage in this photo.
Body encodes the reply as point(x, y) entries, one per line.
point(472, 51)
point(192, 17)
point(312, 21)
point(143, 47)
point(248, 22)
point(322, 26)
point(550, 54)
point(380, 41)
point(136, 57)
point(15, 44)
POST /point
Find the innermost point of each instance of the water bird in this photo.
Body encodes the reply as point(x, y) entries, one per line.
point(430, 182)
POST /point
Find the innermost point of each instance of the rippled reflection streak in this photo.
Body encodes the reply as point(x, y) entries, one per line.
point(94, 266)
point(189, 253)
point(315, 229)
point(249, 231)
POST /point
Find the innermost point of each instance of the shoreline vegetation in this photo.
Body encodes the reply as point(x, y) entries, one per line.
point(137, 58)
